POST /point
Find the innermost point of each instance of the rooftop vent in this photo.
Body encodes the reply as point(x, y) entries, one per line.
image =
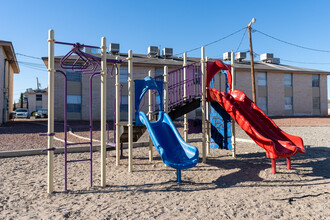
point(114, 48)
point(152, 51)
point(167, 52)
point(92, 50)
point(269, 58)
point(240, 56)
point(226, 56)
point(276, 60)
point(266, 57)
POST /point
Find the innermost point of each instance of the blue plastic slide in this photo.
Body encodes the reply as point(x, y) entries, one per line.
point(173, 150)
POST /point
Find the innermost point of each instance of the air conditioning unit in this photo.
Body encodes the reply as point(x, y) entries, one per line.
point(114, 48)
point(152, 51)
point(266, 57)
point(276, 60)
point(90, 50)
point(240, 56)
point(167, 52)
point(226, 56)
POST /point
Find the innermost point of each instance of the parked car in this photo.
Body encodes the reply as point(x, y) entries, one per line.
point(22, 113)
point(41, 113)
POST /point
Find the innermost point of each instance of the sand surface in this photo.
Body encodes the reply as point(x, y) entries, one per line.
point(222, 188)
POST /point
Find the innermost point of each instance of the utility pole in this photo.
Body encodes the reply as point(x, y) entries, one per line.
point(254, 96)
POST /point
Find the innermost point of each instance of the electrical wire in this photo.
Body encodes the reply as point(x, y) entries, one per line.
point(292, 44)
point(213, 42)
point(24, 55)
point(240, 43)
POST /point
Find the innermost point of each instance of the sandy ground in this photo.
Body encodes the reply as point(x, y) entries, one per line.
point(222, 188)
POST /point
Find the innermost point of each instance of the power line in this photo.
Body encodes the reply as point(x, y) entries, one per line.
point(292, 44)
point(239, 45)
point(213, 42)
point(24, 55)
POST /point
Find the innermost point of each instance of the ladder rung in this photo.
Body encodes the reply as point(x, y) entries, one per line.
point(78, 126)
point(78, 143)
point(71, 161)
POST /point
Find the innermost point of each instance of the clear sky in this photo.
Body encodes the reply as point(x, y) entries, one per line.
point(179, 24)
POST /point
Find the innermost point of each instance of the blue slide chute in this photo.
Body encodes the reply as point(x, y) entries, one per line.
point(168, 142)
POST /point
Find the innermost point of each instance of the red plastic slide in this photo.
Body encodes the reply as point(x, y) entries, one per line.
point(253, 120)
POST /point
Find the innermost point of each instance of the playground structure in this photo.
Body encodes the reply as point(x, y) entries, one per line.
point(184, 89)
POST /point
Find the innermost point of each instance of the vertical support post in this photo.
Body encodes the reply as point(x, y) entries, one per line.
point(165, 89)
point(208, 122)
point(185, 122)
point(288, 163)
point(51, 70)
point(130, 110)
point(103, 110)
point(254, 96)
point(117, 116)
point(273, 166)
point(203, 69)
point(150, 118)
point(233, 74)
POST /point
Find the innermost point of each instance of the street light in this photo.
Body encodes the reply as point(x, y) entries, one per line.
point(252, 63)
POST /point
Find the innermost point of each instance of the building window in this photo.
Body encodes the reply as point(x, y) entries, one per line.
point(38, 97)
point(288, 79)
point(316, 103)
point(74, 103)
point(316, 80)
point(38, 108)
point(262, 103)
point(73, 76)
point(123, 74)
point(262, 79)
point(288, 101)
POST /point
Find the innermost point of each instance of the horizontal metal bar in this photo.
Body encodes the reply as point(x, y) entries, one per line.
point(72, 161)
point(78, 126)
point(79, 143)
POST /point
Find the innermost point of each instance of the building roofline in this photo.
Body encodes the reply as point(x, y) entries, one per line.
point(143, 59)
point(10, 52)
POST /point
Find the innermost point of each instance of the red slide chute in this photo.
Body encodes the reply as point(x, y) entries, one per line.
point(252, 119)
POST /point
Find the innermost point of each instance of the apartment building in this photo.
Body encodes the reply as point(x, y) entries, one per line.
point(8, 67)
point(35, 99)
point(282, 90)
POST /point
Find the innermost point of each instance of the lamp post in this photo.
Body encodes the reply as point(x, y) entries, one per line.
point(252, 63)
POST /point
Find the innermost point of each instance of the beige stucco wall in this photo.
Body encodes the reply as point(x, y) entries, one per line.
point(32, 102)
point(275, 92)
point(324, 95)
point(302, 94)
point(2, 57)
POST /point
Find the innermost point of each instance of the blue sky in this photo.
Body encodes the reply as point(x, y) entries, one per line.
point(181, 25)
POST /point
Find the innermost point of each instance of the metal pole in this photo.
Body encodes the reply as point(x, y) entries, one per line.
point(252, 63)
point(208, 122)
point(51, 70)
point(103, 110)
point(185, 123)
point(233, 74)
point(150, 118)
point(130, 110)
point(165, 89)
point(117, 116)
point(203, 69)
